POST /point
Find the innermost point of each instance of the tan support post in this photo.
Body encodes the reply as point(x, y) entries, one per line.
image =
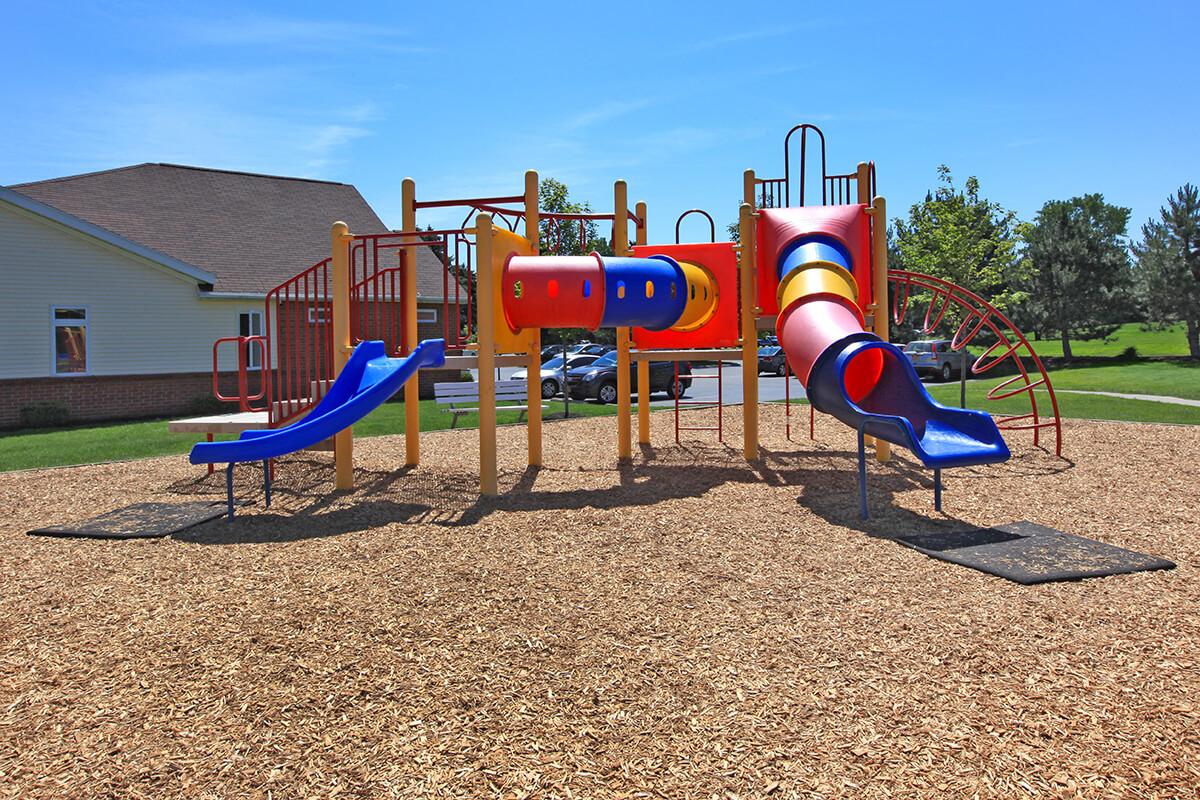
point(533, 381)
point(343, 441)
point(748, 188)
point(749, 333)
point(412, 389)
point(620, 247)
point(862, 179)
point(486, 312)
point(879, 288)
point(643, 367)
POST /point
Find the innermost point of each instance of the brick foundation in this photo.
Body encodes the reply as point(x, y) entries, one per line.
point(115, 397)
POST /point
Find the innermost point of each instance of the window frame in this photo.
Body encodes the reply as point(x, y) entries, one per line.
point(254, 353)
point(56, 323)
point(429, 310)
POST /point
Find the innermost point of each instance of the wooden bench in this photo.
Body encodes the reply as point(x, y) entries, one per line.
point(462, 397)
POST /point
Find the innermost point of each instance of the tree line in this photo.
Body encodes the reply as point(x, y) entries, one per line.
point(1072, 272)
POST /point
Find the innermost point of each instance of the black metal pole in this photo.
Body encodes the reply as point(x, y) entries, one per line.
point(962, 378)
point(566, 391)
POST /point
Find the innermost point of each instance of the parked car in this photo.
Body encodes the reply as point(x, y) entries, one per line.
point(773, 360)
point(553, 373)
point(598, 381)
point(934, 358)
point(592, 348)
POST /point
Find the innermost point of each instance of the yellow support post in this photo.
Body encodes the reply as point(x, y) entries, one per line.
point(486, 311)
point(534, 364)
point(879, 288)
point(343, 442)
point(412, 389)
point(620, 247)
point(862, 178)
point(643, 367)
point(749, 329)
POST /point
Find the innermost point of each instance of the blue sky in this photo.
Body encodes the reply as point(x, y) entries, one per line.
point(1039, 100)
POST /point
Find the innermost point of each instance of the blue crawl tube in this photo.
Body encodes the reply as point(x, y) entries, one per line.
point(645, 293)
point(814, 247)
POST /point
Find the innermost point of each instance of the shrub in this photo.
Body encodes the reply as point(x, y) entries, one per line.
point(45, 414)
point(1129, 354)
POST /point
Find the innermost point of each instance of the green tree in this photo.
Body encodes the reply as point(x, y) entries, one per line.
point(567, 237)
point(1079, 279)
point(961, 237)
point(1168, 265)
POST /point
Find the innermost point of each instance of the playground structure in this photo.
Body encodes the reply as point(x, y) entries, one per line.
point(817, 274)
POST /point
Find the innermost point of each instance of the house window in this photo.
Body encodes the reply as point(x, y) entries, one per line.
point(250, 323)
point(318, 315)
point(70, 328)
point(427, 316)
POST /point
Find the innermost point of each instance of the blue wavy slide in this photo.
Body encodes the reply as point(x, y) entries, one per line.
point(366, 382)
point(899, 409)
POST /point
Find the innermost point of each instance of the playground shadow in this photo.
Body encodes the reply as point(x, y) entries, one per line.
point(305, 505)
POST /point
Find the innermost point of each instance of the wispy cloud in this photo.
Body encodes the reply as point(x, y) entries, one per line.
point(236, 119)
point(299, 34)
point(605, 112)
point(747, 36)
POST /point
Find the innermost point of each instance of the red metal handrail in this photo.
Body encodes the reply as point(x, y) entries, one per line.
point(836, 189)
point(712, 226)
point(981, 315)
point(700, 405)
point(244, 399)
point(296, 310)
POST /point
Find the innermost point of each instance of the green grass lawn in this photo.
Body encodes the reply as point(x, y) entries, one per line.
point(1170, 378)
point(121, 441)
point(1170, 342)
point(1084, 406)
point(1070, 406)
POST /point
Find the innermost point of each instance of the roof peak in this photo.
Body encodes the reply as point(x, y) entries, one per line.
point(168, 165)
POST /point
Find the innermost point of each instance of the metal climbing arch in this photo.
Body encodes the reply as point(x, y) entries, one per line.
point(1010, 344)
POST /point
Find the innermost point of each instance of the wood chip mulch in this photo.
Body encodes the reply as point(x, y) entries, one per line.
point(684, 626)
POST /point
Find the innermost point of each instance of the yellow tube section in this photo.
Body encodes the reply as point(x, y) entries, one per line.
point(701, 297)
point(817, 277)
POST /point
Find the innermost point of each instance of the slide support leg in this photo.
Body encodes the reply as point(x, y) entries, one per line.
point(229, 492)
point(862, 475)
point(267, 482)
point(937, 490)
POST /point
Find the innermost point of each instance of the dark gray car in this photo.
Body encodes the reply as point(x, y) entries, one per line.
point(773, 360)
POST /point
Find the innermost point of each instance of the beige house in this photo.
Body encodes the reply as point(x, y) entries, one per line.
point(118, 283)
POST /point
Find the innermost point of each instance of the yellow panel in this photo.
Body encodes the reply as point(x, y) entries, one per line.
point(505, 243)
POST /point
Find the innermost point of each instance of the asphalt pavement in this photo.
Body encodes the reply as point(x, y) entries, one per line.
point(705, 383)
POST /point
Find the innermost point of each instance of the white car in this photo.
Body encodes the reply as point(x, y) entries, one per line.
point(554, 374)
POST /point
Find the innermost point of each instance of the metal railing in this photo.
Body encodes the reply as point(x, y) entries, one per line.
point(243, 398)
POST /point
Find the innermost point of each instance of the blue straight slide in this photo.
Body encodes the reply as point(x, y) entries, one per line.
point(366, 382)
point(900, 411)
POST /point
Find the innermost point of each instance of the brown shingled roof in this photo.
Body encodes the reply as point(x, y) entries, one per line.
point(252, 231)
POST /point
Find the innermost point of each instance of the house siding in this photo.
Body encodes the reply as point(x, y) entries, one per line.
point(142, 319)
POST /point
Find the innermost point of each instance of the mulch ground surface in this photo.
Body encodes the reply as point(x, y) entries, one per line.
point(687, 625)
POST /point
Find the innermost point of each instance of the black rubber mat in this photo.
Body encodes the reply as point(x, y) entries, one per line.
point(140, 521)
point(1027, 553)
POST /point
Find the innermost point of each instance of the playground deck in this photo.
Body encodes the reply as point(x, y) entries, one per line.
point(686, 625)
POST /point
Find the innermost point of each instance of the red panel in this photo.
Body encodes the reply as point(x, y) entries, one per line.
point(779, 227)
point(720, 259)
